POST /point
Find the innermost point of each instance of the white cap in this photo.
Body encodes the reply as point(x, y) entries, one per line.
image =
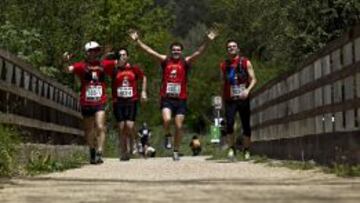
point(91, 45)
point(150, 149)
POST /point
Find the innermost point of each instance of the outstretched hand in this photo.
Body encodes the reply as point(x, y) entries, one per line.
point(67, 56)
point(212, 34)
point(143, 97)
point(133, 34)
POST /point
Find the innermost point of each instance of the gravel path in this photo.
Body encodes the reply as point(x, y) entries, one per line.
point(190, 180)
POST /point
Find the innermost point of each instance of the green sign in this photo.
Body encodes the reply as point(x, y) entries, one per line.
point(214, 134)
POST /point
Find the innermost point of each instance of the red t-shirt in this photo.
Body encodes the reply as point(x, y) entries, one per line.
point(125, 81)
point(174, 78)
point(235, 76)
point(93, 88)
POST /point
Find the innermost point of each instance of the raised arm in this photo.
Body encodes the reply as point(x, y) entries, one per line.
point(66, 59)
point(212, 34)
point(143, 89)
point(135, 36)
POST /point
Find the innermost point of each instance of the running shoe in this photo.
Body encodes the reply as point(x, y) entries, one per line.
point(167, 142)
point(176, 156)
point(247, 155)
point(125, 157)
point(231, 154)
point(99, 159)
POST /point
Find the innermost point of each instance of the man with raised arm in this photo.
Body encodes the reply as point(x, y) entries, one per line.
point(173, 91)
point(92, 97)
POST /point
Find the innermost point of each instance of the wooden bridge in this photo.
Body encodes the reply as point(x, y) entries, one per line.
point(45, 110)
point(312, 112)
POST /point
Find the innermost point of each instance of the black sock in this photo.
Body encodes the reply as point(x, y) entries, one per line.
point(234, 149)
point(92, 153)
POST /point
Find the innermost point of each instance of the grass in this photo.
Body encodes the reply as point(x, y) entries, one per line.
point(344, 170)
point(39, 163)
point(111, 144)
point(10, 164)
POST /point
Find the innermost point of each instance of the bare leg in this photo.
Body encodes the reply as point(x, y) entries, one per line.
point(179, 119)
point(101, 129)
point(246, 142)
point(122, 138)
point(166, 115)
point(130, 134)
point(88, 124)
point(231, 140)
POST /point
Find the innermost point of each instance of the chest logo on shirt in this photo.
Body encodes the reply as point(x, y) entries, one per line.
point(173, 73)
point(126, 82)
point(94, 75)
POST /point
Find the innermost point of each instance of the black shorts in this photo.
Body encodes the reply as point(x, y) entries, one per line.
point(177, 106)
point(125, 110)
point(90, 111)
point(243, 107)
point(144, 140)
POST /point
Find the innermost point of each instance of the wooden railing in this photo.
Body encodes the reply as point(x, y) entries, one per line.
point(313, 112)
point(32, 101)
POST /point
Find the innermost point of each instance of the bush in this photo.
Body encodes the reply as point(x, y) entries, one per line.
point(9, 141)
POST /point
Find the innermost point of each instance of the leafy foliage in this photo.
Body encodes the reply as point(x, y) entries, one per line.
point(9, 141)
point(275, 34)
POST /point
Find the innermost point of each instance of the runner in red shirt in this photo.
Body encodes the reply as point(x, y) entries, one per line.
point(125, 95)
point(239, 79)
point(173, 90)
point(92, 98)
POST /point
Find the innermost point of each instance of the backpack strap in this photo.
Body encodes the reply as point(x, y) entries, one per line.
point(227, 69)
point(241, 69)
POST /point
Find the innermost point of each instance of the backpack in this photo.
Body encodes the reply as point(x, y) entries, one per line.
point(240, 71)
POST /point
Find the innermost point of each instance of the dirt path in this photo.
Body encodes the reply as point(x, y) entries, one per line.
point(190, 180)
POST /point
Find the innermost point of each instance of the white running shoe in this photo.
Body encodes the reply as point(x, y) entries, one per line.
point(176, 156)
point(247, 155)
point(231, 154)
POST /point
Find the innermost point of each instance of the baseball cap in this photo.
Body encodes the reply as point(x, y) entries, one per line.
point(91, 45)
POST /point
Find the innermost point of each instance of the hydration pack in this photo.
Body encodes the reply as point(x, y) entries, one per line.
point(238, 74)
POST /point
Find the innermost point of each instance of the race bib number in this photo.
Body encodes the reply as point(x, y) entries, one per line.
point(93, 92)
point(125, 92)
point(145, 132)
point(236, 90)
point(173, 89)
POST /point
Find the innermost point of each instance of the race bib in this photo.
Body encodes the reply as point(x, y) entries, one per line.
point(236, 90)
point(145, 132)
point(173, 89)
point(93, 92)
point(125, 92)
